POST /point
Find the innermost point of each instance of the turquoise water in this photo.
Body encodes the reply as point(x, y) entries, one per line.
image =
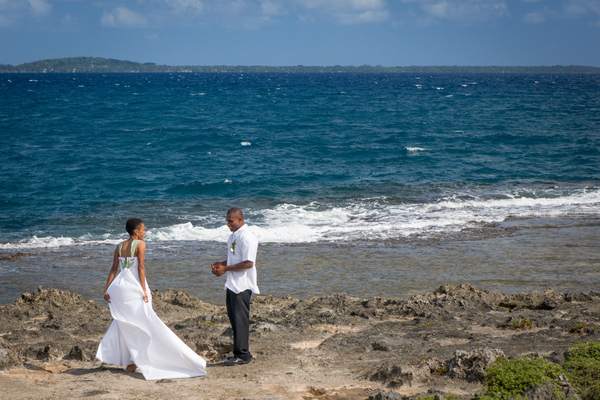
point(371, 184)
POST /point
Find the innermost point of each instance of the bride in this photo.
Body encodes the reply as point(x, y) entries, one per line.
point(137, 338)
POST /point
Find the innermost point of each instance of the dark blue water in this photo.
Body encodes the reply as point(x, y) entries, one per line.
point(327, 167)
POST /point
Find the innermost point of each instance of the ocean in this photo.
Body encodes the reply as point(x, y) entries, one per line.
point(366, 184)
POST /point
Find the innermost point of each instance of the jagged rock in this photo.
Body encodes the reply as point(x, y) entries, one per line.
point(470, 366)
point(177, 298)
point(49, 297)
point(547, 391)
point(547, 300)
point(380, 346)
point(262, 327)
point(42, 353)
point(448, 299)
point(454, 332)
point(391, 395)
point(396, 375)
point(8, 357)
point(75, 354)
point(14, 256)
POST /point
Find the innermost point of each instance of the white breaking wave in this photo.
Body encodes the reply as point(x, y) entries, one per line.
point(51, 242)
point(187, 231)
point(285, 223)
point(367, 219)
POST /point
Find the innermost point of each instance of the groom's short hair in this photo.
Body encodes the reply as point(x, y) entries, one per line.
point(236, 212)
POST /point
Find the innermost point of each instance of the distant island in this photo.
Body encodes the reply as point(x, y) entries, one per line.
point(106, 65)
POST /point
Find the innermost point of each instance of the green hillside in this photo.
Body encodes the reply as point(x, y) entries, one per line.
point(106, 65)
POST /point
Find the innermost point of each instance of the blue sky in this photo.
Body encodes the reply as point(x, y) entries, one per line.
point(304, 32)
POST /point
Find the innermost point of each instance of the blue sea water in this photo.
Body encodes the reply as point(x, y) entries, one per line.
point(370, 184)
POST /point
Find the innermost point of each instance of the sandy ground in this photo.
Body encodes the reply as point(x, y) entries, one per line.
point(332, 347)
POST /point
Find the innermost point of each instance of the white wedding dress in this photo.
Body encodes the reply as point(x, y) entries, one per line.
point(137, 336)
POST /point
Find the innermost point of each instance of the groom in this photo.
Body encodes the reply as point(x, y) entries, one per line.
point(240, 267)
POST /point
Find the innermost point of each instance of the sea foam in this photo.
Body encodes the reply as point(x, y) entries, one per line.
point(368, 219)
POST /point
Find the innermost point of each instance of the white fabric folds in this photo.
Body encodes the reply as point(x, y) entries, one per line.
point(137, 336)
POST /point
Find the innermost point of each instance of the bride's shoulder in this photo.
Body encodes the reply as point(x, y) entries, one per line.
point(141, 245)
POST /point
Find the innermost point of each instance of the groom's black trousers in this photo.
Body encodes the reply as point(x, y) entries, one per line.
point(238, 310)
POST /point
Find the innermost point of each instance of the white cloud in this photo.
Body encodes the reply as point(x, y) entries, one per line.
point(534, 18)
point(272, 8)
point(244, 14)
point(364, 17)
point(463, 11)
point(344, 11)
point(570, 9)
point(186, 5)
point(123, 17)
point(352, 4)
point(438, 10)
point(40, 7)
point(576, 8)
point(584, 9)
point(255, 13)
point(233, 6)
point(68, 19)
point(12, 12)
point(425, 22)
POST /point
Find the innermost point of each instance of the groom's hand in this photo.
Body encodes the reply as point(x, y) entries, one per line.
point(218, 268)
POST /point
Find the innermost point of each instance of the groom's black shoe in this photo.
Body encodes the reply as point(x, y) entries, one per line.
point(236, 361)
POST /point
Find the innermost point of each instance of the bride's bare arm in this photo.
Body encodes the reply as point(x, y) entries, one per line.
point(111, 274)
point(141, 252)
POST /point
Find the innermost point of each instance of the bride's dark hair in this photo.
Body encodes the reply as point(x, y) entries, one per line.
point(132, 224)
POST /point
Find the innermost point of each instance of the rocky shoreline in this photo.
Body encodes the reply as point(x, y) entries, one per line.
point(330, 347)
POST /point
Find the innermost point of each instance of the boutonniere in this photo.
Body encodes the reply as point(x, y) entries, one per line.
point(232, 248)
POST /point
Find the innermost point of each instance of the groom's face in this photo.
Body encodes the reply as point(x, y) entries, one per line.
point(234, 223)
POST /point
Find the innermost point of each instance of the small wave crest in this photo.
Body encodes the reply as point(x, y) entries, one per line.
point(187, 231)
point(53, 242)
point(378, 218)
